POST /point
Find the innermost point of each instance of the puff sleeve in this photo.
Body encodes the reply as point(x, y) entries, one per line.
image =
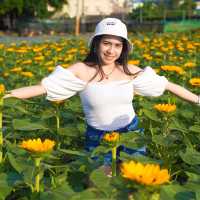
point(62, 84)
point(148, 83)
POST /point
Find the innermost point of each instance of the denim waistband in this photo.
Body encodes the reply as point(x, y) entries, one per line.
point(130, 127)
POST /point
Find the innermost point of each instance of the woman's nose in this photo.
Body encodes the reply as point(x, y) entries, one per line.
point(111, 49)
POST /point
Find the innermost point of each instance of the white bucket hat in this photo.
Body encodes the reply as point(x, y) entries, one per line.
point(111, 26)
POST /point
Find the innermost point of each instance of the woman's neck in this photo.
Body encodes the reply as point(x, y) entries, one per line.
point(108, 68)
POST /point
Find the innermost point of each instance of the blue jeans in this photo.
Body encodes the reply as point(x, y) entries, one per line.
point(94, 136)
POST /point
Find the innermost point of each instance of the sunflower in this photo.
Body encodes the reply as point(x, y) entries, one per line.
point(111, 137)
point(146, 174)
point(27, 74)
point(190, 65)
point(134, 62)
point(172, 68)
point(195, 82)
point(37, 146)
point(2, 88)
point(165, 107)
point(16, 69)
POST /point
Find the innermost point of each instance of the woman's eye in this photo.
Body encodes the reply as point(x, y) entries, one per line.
point(106, 43)
point(118, 45)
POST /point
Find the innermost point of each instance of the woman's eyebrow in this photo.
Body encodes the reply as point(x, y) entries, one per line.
point(105, 40)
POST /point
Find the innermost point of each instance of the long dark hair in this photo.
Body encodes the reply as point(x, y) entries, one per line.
point(94, 60)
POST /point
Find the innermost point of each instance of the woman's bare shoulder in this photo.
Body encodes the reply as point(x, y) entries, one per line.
point(134, 69)
point(82, 71)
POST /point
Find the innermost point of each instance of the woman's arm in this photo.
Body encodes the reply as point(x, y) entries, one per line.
point(26, 92)
point(182, 92)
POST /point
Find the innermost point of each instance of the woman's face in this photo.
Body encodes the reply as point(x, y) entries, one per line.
point(110, 49)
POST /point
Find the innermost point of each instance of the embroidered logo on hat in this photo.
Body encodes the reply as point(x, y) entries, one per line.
point(110, 23)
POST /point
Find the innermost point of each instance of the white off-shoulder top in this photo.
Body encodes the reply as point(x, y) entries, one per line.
point(107, 106)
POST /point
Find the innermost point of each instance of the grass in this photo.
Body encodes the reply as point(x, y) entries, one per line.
point(181, 26)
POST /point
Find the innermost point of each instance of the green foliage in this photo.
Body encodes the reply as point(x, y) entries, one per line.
point(61, 193)
point(176, 192)
point(7, 6)
point(191, 156)
point(188, 6)
point(162, 10)
point(149, 10)
point(5, 188)
point(27, 125)
point(103, 183)
point(31, 8)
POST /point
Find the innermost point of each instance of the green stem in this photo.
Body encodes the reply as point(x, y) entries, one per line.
point(114, 159)
point(1, 133)
point(156, 145)
point(166, 126)
point(57, 119)
point(165, 150)
point(37, 177)
point(58, 123)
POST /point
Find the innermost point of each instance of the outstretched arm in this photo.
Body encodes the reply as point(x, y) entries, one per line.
point(26, 92)
point(183, 93)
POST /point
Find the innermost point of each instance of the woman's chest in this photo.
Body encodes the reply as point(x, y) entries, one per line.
point(104, 94)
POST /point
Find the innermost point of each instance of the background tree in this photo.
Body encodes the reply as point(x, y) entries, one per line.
point(188, 6)
point(149, 10)
point(12, 10)
point(162, 9)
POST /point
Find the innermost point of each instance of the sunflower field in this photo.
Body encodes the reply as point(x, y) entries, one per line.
point(42, 152)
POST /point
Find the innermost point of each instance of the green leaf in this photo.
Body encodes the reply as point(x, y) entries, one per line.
point(165, 140)
point(151, 115)
point(193, 177)
point(14, 149)
point(131, 135)
point(192, 186)
point(5, 188)
point(21, 109)
point(177, 125)
point(191, 156)
point(176, 192)
point(197, 194)
point(159, 139)
point(188, 114)
point(28, 173)
point(81, 127)
point(14, 163)
point(60, 193)
point(71, 131)
point(27, 125)
point(71, 152)
point(68, 116)
point(144, 102)
point(46, 114)
point(195, 128)
point(100, 150)
point(60, 179)
point(87, 194)
point(102, 182)
point(11, 102)
point(140, 158)
point(132, 139)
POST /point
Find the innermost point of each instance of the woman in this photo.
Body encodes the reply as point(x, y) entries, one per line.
point(106, 84)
